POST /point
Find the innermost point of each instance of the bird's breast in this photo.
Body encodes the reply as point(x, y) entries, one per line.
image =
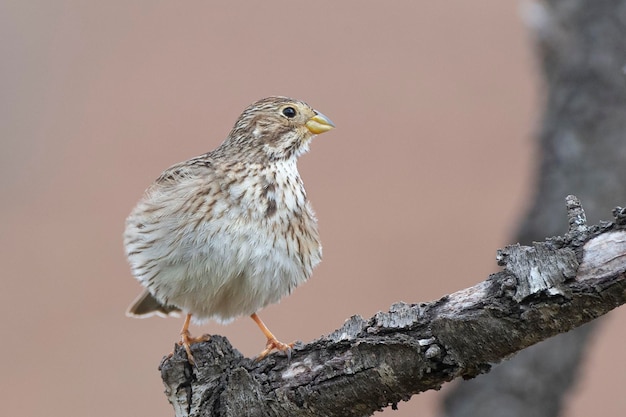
point(228, 247)
point(273, 203)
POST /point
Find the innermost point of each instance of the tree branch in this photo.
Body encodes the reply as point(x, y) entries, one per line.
point(545, 289)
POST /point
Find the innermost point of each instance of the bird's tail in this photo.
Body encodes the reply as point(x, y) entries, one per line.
point(145, 305)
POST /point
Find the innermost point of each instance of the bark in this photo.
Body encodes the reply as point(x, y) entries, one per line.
point(543, 290)
point(580, 46)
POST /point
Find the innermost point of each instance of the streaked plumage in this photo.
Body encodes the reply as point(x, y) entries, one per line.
point(231, 231)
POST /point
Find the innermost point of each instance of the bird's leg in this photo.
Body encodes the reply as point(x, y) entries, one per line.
point(272, 342)
point(186, 340)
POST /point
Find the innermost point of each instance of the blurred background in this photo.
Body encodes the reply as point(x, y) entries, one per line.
point(426, 175)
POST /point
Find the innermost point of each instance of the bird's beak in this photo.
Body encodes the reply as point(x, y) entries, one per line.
point(319, 124)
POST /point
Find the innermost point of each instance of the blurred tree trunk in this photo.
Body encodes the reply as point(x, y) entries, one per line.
point(582, 53)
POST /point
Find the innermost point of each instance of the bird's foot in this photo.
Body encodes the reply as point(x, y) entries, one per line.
point(186, 340)
point(274, 344)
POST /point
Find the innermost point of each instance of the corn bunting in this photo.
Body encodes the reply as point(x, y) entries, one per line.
point(226, 233)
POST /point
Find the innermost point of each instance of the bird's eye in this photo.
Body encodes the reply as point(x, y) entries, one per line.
point(290, 112)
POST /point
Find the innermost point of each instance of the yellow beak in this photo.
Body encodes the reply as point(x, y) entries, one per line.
point(319, 124)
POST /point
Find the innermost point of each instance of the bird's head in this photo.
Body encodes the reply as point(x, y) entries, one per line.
point(277, 127)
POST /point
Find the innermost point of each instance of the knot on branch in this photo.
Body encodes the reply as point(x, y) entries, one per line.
point(619, 213)
point(576, 216)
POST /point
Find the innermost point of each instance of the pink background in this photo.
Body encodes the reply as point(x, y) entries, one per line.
point(424, 178)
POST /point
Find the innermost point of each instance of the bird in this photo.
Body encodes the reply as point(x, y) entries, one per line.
point(227, 233)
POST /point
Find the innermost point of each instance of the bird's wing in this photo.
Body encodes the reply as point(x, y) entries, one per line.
point(199, 166)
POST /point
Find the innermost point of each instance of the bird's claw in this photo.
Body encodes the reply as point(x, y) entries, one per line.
point(186, 340)
point(275, 344)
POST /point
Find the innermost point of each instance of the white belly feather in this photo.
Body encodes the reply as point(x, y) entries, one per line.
point(219, 260)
